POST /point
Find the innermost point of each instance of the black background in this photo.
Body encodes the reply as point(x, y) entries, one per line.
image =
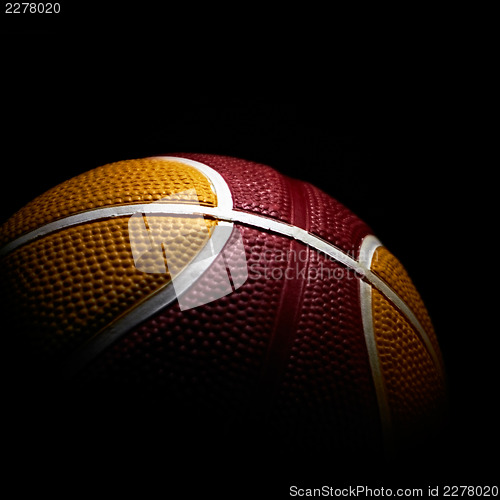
point(396, 133)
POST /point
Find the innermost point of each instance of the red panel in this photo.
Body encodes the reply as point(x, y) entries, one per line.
point(288, 344)
point(255, 187)
point(286, 349)
point(261, 189)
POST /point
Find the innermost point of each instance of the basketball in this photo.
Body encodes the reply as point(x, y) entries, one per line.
point(224, 289)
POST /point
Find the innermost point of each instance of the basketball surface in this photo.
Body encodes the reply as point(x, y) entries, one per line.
point(232, 291)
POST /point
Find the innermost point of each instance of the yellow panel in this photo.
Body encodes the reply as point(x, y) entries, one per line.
point(414, 385)
point(124, 182)
point(64, 288)
point(387, 267)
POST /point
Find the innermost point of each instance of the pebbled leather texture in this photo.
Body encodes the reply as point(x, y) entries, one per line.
point(282, 359)
point(287, 346)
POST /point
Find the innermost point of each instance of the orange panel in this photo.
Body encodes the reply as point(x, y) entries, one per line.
point(415, 390)
point(414, 386)
point(124, 182)
point(387, 267)
point(64, 288)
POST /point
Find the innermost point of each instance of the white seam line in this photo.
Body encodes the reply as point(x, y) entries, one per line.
point(90, 349)
point(232, 216)
point(218, 183)
point(184, 209)
point(368, 246)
